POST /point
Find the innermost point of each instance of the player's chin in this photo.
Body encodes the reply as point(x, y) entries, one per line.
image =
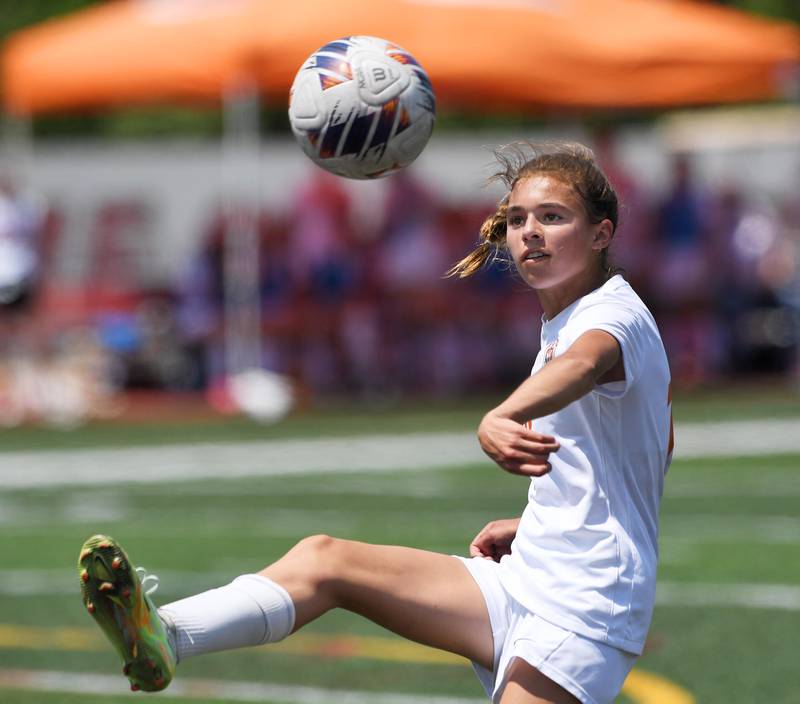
point(527, 274)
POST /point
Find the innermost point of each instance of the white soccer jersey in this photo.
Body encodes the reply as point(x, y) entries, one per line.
point(585, 553)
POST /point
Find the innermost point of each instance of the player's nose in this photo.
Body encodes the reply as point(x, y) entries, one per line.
point(531, 231)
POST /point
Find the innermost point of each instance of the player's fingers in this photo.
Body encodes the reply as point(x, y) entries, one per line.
point(480, 542)
point(476, 550)
point(519, 457)
point(532, 435)
point(522, 437)
point(535, 470)
point(528, 469)
point(537, 447)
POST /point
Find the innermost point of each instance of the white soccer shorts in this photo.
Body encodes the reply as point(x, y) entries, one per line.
point(592, 671)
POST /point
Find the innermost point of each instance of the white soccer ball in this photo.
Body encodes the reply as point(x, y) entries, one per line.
point(362, 107)
point(262, 395)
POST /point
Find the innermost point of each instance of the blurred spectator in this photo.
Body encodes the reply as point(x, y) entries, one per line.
point(63, 386)
point(683, 239)
point(199, 293)
point(754, 265)
point(148, 347)
point(21, 221)
point(634, 238)
point(319, 238)
point(413, 254)
point(684, 278)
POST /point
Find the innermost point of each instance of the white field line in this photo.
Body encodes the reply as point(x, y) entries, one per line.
point(229, 690)
point(783, 597)
point(700, 528)
point(737, 438)
point(372, 453)
point(178, 583)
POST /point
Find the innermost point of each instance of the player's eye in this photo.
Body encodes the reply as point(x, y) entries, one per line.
point(551, 217)
point(516, 221)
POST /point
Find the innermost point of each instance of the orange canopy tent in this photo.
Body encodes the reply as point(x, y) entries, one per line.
point(480, 54)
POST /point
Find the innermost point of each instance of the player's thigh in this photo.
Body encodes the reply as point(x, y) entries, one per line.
point(424, 596)
point(524, 684)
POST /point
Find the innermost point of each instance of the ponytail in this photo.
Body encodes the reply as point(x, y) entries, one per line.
point(491, 243)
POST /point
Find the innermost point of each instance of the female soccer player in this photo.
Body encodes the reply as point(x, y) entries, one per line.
point(551, 607)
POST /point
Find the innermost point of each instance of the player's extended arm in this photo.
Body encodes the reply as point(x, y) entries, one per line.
point(593, 356)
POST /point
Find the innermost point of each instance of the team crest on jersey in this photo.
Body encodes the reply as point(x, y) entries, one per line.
point(550, 351)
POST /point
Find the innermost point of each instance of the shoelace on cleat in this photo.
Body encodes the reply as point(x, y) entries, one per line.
point(146, 578)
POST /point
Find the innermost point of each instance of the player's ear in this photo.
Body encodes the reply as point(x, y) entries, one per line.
point(603, 234)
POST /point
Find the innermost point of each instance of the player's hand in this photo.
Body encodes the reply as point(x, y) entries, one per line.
point(514, 447)
point(495, 539)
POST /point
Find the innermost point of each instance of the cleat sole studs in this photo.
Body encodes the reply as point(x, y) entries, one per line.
point(135, 687)
point(106, 587)
point(90, 607)
point(84, 576)
point(125, 593)
point(116, 563)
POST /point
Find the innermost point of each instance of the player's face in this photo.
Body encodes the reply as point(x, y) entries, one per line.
point(549, 236)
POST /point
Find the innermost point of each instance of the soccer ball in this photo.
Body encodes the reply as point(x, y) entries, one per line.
point(362, 107)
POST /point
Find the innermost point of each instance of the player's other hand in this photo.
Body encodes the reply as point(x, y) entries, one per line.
point(514, 447)
point(495, 539)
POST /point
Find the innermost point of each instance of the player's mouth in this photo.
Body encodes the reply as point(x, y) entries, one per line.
point(535, 256)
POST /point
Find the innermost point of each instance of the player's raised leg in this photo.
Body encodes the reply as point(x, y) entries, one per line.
point(424, 596)
point(427, 597)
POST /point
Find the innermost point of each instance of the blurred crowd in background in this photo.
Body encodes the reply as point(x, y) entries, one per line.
point(355, 308)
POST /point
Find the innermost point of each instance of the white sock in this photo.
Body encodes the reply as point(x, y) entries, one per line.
point(251, 610)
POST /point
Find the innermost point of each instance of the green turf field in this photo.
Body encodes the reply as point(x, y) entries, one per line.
point(725, 629)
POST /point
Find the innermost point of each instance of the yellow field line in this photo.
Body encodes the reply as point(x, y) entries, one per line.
point(647, 688)
point(641, 687)
point(40, 638)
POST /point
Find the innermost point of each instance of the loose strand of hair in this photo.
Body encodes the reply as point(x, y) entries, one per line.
point(472, 263)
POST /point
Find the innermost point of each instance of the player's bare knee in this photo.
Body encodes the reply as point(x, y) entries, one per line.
point(317, 544)
point(322, 554)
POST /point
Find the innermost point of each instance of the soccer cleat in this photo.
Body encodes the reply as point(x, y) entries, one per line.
point(114, 595)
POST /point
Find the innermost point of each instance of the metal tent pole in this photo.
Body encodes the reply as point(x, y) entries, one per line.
point(241, 273)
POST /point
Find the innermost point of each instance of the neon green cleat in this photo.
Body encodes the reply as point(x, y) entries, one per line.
point(114, 595)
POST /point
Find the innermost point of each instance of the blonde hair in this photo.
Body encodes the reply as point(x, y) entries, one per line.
point(571, 163)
